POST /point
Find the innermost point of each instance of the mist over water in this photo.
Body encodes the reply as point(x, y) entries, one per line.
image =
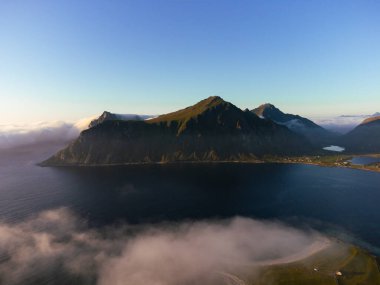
point(56, 246)
point(34, 134)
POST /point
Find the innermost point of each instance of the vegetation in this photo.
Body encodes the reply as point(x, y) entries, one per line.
point(340, 264)
point(336, 160)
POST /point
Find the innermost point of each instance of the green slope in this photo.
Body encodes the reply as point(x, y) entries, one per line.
point(357, 266)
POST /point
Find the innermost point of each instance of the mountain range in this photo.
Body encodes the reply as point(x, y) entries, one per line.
point(313, 132)
point(210, 130)
point(342, 124)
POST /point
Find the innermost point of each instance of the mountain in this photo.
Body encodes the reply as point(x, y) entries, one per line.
point(211, 130)
point(107, 116)
point(313, 132)
point(344, 123)
point(365, 138)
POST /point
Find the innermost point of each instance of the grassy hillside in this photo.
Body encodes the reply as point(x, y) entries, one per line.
point(357, 267)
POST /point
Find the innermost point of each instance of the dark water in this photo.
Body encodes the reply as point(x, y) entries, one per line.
point(338, 199)
point(364, 160)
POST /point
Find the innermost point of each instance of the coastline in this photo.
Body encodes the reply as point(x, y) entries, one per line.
point(341, 161)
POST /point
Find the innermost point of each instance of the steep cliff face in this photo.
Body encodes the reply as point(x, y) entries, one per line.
point(211, 130)
point(365, 138)
point(313, 132)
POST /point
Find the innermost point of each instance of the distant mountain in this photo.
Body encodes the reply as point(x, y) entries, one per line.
point(315, 133)
point(211, 130)
point(342, 124)
point(364, 138)
point(107, 116)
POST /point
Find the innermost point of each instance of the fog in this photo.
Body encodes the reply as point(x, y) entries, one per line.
point(334, 148)
point(13, 136)
point(57, 246)
point(341, 124)
point(34, 134)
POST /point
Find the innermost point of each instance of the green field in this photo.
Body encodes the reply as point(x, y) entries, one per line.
point(357, 267)
point(336, 160)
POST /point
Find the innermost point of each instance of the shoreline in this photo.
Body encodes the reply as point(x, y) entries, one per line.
point(359, 167)
point(314, 248)
point(339, 163)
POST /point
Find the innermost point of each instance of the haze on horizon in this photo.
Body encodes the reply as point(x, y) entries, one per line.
point(66, 60)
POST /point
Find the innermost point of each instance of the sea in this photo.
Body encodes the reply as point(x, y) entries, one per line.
point(328, 198)
point(340, 203)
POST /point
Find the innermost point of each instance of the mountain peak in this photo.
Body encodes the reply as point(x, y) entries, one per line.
point(192, 111)
point(268, 105)
point(106, 113)
point(211, 101)
point(105, 116)
point(268, 110)
point(210, 115)
point(296, 123)
point(108, 116)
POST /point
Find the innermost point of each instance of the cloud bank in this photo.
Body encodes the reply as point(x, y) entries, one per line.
point(342, 124)
point(12, 136)
point(30, 134)
point(58, 247)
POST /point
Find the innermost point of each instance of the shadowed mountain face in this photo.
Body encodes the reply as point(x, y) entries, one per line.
point(365, 138)
point(107, 116)
point(313, 132)
point(211, 130)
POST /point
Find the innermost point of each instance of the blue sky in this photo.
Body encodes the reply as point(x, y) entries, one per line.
point(63, 60)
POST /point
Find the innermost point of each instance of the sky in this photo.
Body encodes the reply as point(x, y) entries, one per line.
point(65, 60)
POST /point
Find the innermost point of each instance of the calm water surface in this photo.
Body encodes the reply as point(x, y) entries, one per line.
point(329, 199)
point(364, 160)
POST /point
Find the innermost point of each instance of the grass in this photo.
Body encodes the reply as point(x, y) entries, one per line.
point(357, 266)
point(189, 112)
point(336, 160)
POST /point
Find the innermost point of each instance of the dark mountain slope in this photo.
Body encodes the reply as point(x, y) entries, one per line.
point(365, 138)
point(211, 130)
point(315, 133)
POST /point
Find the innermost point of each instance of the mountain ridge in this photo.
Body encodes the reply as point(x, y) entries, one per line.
point(312, 131)
point(210, 130)
point(108, 116)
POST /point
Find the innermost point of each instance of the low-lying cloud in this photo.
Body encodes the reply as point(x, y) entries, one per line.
point(33, 134)
point(58, 247)
point(12, 136)
point(342, 124)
